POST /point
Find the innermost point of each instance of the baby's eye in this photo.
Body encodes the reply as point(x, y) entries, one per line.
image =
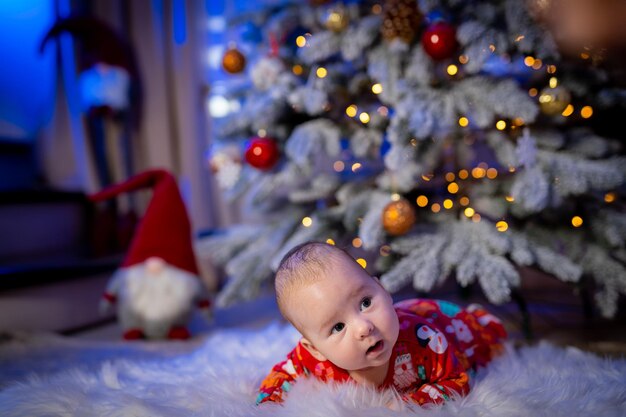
point(337, 328)
point(366, 302)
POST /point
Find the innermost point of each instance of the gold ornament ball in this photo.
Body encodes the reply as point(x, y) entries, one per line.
point(336, 19)
point(398, 217)
point(554, 100)
point(233, 61)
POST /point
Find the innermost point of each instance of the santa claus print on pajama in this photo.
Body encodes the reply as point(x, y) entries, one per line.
point(438, 346)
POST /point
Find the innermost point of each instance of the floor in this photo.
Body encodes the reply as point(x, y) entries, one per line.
point(556, 314)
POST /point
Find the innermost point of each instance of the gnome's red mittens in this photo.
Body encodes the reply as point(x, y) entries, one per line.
point(205, 308)
point(106, 302)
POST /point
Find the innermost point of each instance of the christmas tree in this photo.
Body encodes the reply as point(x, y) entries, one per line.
point(446, 138)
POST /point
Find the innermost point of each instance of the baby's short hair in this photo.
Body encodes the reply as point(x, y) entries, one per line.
point(302, 265)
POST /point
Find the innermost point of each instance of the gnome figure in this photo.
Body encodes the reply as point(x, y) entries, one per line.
point(157, 286)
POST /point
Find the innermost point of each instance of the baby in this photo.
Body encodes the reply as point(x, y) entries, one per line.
point(352, 331)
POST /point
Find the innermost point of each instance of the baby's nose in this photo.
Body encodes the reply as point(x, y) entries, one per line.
point(365, 328)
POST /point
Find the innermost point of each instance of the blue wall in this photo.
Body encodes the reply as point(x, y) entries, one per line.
point(26, 77)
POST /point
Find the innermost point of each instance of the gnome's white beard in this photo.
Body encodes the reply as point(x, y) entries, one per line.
point(154, 301)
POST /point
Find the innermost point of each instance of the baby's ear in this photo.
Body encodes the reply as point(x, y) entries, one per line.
point(312, 349)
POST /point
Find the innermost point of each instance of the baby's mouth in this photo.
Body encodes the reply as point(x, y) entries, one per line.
point(376, 347)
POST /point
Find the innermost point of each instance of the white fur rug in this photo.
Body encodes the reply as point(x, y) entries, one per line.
point(219, 377)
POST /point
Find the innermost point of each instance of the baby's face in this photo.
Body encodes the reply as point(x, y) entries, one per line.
point(347, 316)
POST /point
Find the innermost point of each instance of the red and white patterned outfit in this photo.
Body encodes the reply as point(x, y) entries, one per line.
point(438, 345)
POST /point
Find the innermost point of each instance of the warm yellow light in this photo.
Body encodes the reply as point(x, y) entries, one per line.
point(502, 226)
point(357, 243)
point(351, 110)
point(586, 112)
point(609, 197)
point(395, 197)
point(453, 188)
point(307, 221)
point(385, 250)
point(519, 38)
point(553, 82)
point(537, 64)
point(463, 174)
point(577, 221)
point(362, 262)
point(492, 48)
point(450, 176)
point(551, 69)
point(464, 201)
point(568, 110)
point(500, 125)
point(377, 88)
point(413, 142)
point(321, 72)
point(463, 121)
point(452, 69)
point(463, 59)
point(492, 173)
point(422, 201)
point(297, 69)
point(356, 166)
point(476, 218)
point(300, 41)
point(509, 198)
point(339, 166)
point(330, 241)
point(447, 204)
point(529, 61)
point(364, 117)
point(469, 212)
point(511, 169)
point(436, 208)
point(427, 177)
point(533, 92)
point(518, 121)
point(478, 172)
point(584, 55)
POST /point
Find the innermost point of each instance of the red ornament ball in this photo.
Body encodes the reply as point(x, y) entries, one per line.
point(439, 40)
point(262, 153)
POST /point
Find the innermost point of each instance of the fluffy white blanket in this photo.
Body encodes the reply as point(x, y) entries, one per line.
point(220, 378)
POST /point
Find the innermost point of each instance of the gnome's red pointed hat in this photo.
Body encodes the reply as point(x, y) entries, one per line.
point(165, 230)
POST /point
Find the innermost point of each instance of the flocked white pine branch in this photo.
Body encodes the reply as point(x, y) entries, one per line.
point(541, 169)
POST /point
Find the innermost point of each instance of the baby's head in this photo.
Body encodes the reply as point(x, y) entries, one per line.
point(301, 266)
point(343, 314)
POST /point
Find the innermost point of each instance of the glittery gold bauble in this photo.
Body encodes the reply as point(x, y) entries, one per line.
point(336, 18)
point(554, 100)
point(233, 61)
point(398, 217)
point(401, 20)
